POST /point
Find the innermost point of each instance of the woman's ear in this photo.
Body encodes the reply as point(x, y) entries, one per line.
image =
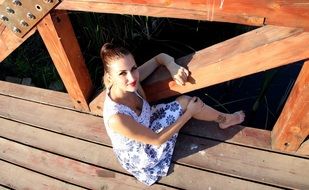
point(107, 80)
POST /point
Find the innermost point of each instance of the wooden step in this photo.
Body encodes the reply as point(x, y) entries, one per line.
point(239, 134)
point(208, 155)
point(65, 169)
point(182, 176)
point(17, 177)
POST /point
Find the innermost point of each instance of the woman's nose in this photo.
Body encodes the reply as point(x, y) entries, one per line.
point(130, 77)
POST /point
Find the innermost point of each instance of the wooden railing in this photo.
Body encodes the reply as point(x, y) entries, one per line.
point(264, 48)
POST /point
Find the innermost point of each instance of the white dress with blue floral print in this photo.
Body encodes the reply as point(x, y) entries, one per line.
point(146, 162)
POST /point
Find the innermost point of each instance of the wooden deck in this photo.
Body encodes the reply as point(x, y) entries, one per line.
point(46, 144)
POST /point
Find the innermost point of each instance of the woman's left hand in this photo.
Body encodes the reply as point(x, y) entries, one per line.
point(179, 73)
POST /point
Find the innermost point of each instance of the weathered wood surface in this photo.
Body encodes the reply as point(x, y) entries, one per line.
point(295, 13)
point(96, 154)
point(304, 148)
point(240, 161)
point(226, 61)
point(72, 171)
point(214, 65)
point(9, 42)
point(17, 177)
point(59, 37)
point(239, 134)
point(43, 96)
point(292, 127)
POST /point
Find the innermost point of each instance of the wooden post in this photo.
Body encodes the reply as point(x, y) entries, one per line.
point(58, 35)
point(292, 127)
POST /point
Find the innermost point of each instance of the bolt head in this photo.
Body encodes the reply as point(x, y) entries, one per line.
point(16, 2)
point(30, 16)
point(4, 18)
point(16, 30)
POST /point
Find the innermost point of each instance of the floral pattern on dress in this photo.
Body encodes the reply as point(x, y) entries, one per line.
point(144, 161)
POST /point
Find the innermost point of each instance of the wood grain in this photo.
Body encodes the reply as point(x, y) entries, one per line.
point(39, 95)
point(90, 127)
point(192, 151)
point(72, 171)
point(249, 12)
point(58, 35)
point(17, 177)
point(213, 60)
point(292, 127)
point(182, 177)
point(207, 69)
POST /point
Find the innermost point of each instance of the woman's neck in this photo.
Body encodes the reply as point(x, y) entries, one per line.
point(118, 94)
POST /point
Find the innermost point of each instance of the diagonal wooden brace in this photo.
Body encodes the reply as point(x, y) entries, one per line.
point(58, 35)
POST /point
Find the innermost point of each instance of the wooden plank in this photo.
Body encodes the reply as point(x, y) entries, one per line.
point(58, 35)
point(90, 127)
point(247, 12)
point(196, 11)
point(9, 41)
point(85, 175)
point(182, 177)
point(237, 134)
point(255, 159)
point(17, 177)
point(213, 60)
point(292, 127)
point(265, 55)
point(304, 148)
point(240, 134)
point(96, 105)
point(39, 95)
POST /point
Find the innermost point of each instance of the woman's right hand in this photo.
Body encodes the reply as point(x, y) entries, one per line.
point(195, 105)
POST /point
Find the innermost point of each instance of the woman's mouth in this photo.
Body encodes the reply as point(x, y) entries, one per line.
point(132, 83)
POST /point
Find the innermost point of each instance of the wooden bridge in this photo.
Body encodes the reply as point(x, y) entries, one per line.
point(53, 140)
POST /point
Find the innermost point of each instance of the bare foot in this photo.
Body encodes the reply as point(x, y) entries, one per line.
point(228, 120)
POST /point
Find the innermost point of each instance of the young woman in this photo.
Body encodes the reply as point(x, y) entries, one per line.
point(144, 136)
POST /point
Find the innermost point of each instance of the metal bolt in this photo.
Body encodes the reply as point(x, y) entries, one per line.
point(24, 23)
point(30, 16)
point(16, 2)
point(4, 18)
point(16, 30)
point(10, 10)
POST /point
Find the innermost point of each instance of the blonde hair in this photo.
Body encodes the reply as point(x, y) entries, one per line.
point(110, 52)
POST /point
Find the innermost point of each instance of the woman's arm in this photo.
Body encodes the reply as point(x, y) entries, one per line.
point(148, 67)
point(128, 127)
point(178, 72)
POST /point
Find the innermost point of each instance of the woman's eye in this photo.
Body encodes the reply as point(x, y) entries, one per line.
point(122, 73)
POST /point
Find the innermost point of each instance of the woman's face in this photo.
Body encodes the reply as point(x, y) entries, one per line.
point(124, 74)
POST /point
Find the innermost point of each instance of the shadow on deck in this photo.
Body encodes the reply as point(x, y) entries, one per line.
point(46, 144)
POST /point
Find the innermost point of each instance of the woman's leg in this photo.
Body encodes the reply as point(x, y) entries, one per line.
point(209, 114)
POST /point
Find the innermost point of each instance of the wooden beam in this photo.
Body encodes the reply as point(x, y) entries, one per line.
point(58, 35)
point(265, 48)
point(237, 57)
point(249, 12)
point(9, 41)
point(292, 127)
